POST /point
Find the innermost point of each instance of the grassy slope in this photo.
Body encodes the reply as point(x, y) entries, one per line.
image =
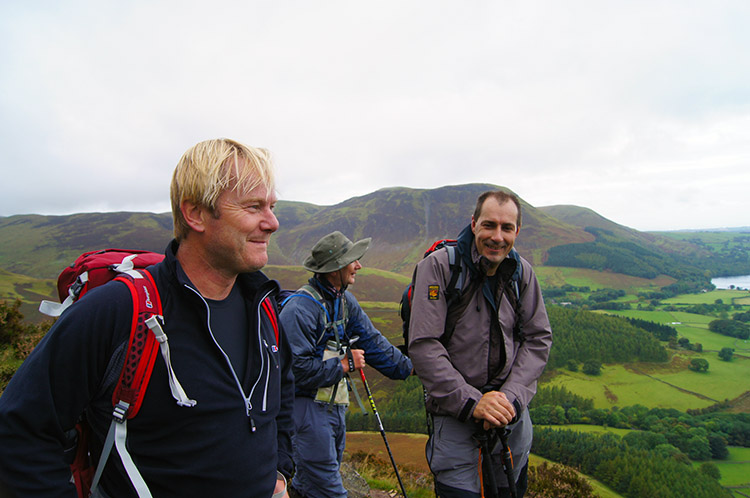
point(600, 489)
point(557, 276)
point(408, 452)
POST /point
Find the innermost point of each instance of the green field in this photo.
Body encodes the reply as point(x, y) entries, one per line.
point(27, 289)
point(659, 386)
point(727, 296)
point(556, 276)
point(736, 470)
point(617, 386)
point(690, 325)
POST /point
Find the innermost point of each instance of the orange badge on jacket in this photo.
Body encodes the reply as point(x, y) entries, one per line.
point(433, 292)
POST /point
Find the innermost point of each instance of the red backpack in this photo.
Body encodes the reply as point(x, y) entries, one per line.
point(96, 268)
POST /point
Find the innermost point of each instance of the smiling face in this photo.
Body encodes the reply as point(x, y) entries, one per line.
point(495, 230)
point(238, 231)
point(345, 276)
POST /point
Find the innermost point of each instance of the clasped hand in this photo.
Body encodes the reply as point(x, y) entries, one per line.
point(494, 409)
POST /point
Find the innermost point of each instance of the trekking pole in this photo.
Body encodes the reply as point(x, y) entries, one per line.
point(506, 458)
point(489, 482)
point(382, 430)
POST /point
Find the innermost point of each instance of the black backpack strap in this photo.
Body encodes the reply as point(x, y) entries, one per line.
point(512, 277)
point(457, 308)
point(453, 292)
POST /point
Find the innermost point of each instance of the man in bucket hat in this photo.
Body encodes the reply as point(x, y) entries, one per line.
point(330, 336)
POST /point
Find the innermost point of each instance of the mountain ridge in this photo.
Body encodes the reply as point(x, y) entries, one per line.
point(401, 221)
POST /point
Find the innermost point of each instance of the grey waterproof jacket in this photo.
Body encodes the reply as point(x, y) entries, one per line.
point(474, 358)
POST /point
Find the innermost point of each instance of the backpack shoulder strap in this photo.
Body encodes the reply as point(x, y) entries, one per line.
point(143, 346)
point(270, 310)
point(517, 276)
point(459, 298)
point(457, 277)
point(309, 292)
point(140, 356)
point(514, 296)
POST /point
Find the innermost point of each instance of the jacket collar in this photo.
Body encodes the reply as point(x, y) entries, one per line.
point(468, 249)
point(251, 283)
point(328, 291)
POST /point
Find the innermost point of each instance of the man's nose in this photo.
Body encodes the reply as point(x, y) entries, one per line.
point(269, 223)
point(497, 235)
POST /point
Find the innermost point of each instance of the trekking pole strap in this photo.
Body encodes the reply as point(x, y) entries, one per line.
point(353, 388)
point(486, 468)
point(506, 459)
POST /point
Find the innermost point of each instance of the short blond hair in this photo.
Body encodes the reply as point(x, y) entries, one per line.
point(209, 168)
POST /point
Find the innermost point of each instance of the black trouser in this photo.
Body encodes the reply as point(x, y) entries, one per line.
point(444, 491)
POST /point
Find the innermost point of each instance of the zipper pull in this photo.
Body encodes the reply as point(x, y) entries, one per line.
point(248, 412)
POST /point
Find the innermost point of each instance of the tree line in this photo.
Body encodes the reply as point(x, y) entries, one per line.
point(580, 335)
point(630, 470)
point(731, 328)
point(699, 434)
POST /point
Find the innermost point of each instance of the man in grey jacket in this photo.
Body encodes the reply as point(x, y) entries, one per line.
point(482, 375)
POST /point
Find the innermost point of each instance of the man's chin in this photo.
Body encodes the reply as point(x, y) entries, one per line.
point(256, 264)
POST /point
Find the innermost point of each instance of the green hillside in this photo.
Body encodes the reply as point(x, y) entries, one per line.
point(402, 222)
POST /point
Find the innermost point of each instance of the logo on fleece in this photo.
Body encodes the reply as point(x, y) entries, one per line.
point(433, 292)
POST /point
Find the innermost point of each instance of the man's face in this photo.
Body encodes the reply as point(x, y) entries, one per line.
point(345, 276)
point(496, 230)
point(237, 236)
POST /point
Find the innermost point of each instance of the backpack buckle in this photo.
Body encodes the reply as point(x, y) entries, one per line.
point(121, 411)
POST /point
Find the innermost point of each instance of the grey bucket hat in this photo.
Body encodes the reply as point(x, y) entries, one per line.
point(333, 252)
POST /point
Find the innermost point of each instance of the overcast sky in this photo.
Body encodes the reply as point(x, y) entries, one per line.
point(639, 110)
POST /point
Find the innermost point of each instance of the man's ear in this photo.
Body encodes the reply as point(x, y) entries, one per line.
point(473, 224)
point(194, 215)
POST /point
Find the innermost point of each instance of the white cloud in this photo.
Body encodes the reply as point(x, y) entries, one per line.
point(638, 110)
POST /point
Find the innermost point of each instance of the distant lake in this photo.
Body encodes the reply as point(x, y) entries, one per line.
point(740, 281)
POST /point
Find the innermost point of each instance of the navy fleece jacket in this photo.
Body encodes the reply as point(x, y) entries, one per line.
point(205, 450)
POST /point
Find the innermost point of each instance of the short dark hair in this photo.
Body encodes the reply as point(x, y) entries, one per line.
point(501, 197)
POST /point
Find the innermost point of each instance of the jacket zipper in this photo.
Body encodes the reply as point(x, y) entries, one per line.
point(263, 353)
point(246, 399)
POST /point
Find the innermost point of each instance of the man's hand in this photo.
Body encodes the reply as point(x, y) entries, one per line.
point(358, 355)
point(494, 409)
